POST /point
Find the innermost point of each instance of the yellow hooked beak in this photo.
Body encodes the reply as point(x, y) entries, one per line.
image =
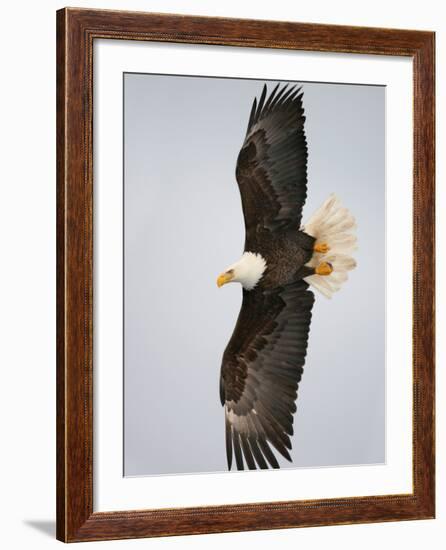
point(224, 278)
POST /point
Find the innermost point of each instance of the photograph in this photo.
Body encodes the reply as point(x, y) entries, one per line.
point(226, 217)
point(278, 187)
point(245, 274)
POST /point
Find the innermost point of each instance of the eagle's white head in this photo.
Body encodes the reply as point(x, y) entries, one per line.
point(248, 271)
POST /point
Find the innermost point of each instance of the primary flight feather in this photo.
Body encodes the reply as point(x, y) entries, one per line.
point(264, 359)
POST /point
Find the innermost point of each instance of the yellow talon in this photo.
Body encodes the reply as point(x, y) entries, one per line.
point(322, 248)
point(324, 268)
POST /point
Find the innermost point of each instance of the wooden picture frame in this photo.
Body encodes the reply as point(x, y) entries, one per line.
point(76, 31)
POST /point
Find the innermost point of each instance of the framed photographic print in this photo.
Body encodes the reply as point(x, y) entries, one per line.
point(245, 275)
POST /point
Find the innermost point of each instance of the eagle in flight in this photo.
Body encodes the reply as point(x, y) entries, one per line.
point(263, 361)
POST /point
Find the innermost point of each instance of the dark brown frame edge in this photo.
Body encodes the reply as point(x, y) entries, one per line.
point(76, 30)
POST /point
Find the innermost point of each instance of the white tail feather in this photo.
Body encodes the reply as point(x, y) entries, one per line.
point(332, 224)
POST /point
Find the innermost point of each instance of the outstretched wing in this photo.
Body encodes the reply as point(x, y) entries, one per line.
point(272, 164)
point(261, 369)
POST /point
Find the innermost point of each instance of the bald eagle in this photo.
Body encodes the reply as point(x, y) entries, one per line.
point(263, 361)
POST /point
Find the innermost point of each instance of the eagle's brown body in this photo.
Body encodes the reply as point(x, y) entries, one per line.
point(286, 255)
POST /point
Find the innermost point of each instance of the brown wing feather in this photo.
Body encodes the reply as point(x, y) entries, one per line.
point(261, 369)
point(272, 163)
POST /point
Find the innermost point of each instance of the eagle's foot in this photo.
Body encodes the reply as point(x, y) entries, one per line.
point(324, 268)
point(321, 248)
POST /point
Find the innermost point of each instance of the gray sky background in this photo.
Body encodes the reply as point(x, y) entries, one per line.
point(184, 225)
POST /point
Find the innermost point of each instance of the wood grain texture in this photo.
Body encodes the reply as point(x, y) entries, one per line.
point(76, 31)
